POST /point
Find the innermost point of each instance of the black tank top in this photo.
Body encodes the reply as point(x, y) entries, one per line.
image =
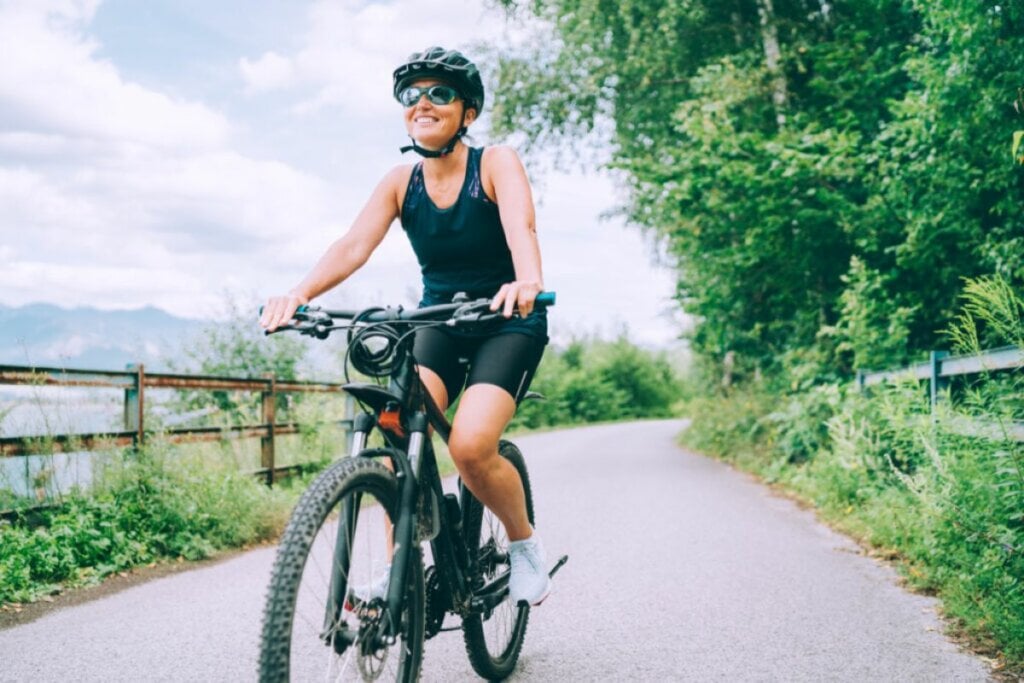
point(462, 248)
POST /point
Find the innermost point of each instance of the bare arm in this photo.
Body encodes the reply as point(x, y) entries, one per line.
point(505, 173)
point(346, 255)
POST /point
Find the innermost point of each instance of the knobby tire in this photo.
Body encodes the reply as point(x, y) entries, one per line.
point(300, 586)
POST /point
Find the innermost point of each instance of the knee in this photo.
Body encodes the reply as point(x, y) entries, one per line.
point(472, 451)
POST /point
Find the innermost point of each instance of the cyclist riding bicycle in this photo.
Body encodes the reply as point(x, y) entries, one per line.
point(469, 215)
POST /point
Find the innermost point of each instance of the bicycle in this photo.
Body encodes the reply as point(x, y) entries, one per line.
point(349, 583)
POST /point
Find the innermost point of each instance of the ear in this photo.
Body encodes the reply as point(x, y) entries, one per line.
point(470, 116)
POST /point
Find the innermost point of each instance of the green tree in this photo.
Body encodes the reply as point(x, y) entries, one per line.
point(811, 166)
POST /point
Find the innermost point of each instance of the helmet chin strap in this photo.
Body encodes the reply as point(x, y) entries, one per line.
point(436, 153)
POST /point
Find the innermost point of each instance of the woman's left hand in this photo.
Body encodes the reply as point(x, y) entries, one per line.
point(516, 295)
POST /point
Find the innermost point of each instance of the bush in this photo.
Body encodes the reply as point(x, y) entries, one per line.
point(147, 507)
point(595, 381)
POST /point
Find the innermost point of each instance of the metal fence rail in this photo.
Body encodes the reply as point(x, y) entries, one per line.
point(940, 367)
point(134, 381)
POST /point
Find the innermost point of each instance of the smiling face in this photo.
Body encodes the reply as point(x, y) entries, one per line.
point(433, 125)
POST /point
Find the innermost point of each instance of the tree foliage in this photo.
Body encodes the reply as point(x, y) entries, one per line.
point(850, 186)
point(234, 346)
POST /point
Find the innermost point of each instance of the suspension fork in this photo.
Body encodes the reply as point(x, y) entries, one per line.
point(338, 588)
point(407, 470)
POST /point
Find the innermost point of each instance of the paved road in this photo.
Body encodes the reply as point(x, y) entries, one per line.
point(680, 569)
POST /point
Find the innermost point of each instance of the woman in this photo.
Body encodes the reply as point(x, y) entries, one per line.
point(469, 215)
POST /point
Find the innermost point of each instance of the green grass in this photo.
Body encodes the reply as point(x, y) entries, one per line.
point(163, 503)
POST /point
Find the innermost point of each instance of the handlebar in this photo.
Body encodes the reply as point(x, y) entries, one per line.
point(319, 322)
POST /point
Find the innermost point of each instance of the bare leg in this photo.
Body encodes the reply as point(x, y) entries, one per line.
point(483, 414)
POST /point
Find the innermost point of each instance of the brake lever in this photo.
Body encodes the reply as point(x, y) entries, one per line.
point(312, 314)
point(472, 312)
point(309, 319)
point(312, 321)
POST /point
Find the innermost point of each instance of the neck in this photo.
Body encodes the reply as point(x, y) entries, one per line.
point(440, 166)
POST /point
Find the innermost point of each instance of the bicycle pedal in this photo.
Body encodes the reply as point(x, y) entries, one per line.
point(558, 565)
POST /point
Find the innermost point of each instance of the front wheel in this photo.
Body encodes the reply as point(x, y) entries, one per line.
point(325, 616)
point(494, 638)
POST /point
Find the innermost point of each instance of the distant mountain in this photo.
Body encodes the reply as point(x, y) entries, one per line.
point(83, 337)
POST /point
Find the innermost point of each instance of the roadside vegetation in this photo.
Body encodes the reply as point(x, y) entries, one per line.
point(146, 507)
point(841, 187)
point(593, 380)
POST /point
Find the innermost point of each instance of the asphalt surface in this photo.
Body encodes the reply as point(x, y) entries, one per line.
point(680, 569)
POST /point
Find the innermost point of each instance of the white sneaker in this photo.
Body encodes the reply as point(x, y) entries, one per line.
point(529, 580)
point(362, 594)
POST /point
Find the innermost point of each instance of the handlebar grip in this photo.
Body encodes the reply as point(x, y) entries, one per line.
point(301, 309)
point(545, 299)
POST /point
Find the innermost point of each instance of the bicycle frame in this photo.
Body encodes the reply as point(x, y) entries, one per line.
point(403, 413)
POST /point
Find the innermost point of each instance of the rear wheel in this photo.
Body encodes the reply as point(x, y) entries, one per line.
point(494, 638)
point(325, 615)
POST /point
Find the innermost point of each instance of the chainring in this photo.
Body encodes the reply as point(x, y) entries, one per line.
point(437, 601)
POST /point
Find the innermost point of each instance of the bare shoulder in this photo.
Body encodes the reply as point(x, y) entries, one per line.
point(399, 175)
point(396, 182)
point(499, 166)
point(501, 156)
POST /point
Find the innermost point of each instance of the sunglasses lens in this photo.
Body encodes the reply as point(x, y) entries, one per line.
point(410, 96)
point(441, 94)
point(437, 94)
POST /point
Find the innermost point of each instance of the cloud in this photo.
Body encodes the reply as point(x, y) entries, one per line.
point(351, 49)
point(52, 82)
point(113, 194)
point(269, 72)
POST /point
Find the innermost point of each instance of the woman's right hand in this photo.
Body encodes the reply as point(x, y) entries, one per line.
point(279, 310)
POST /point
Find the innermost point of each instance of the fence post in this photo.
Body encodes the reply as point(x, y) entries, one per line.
point(861, 377)
point(936, 382)
point(135, 403)
point(267, 441)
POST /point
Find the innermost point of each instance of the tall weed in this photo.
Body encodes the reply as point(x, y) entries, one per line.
point(145, 507)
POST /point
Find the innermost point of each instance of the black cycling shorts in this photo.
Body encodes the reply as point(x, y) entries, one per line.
point(507, 360)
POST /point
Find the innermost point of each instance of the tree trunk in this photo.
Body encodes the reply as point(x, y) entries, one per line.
point(773, 58)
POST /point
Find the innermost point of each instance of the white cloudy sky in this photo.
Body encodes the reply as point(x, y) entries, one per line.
point(164, 152)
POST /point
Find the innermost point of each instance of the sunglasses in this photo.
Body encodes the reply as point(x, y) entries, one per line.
point(437, 94)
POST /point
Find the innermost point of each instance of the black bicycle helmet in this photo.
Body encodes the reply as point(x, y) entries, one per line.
point(455, 69)
point(450, 66)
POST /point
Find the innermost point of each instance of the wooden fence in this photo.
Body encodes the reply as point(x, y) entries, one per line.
point(938, 370)
point(135, 381)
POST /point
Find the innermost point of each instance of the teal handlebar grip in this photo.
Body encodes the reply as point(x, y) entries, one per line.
point(545, 299)
point(301, 309)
